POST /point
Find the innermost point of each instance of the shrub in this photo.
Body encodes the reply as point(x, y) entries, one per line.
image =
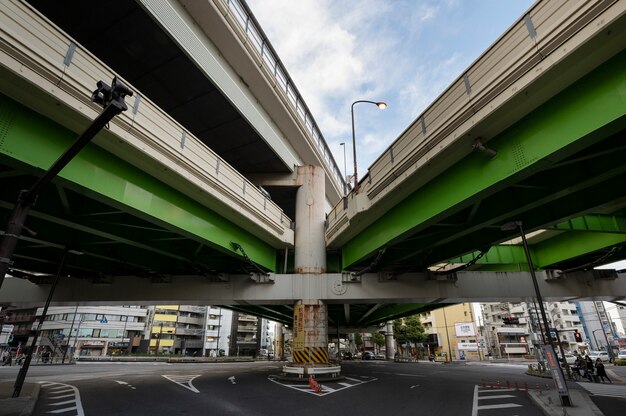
point(620, 361)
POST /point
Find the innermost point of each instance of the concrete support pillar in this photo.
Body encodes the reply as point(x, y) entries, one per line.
point(310, 244)
point(310, 332)
point(280, 342)
point(389, 343)
point(310, 320)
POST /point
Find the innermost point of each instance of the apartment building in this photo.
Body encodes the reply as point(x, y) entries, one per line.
point(452, 332)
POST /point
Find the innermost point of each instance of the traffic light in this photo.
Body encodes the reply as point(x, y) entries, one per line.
point(578, 337)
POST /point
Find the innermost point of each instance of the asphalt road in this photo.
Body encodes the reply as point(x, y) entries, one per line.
point(370, 388)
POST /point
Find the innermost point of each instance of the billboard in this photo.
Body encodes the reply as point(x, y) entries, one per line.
point(465, 329)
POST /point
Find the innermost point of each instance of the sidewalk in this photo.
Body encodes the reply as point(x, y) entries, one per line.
point(20, 406)
point(550, 403)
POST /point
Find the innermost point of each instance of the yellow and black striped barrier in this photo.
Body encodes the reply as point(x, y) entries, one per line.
point(311, 355)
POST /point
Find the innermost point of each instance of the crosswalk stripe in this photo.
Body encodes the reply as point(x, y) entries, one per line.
point(609, 390)
point(500, 396)
point(67, 409)
point(498, 406)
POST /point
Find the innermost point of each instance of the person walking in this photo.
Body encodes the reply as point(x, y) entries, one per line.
point(8, 359)
point(601, 371)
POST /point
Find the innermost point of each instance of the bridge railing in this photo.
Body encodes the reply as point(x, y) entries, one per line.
point(290, 94)
point(36, 50)
point(499, 74)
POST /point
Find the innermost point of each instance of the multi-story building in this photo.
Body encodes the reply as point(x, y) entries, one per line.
point(516, 329)
point(452, 332)
point(177, 329)
point(69, 331)
point(596, 324)
point(219, 322)
point(244, 335)
point(20, 322)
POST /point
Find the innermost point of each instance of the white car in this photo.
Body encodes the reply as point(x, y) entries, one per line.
point(602, 355)
point(621, 355)
point(569, 358)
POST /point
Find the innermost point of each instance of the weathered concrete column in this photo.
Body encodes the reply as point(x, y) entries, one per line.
point(310, 320)
point(310, 245)
point(389, 344)
point(310, 332)
point(280, 342)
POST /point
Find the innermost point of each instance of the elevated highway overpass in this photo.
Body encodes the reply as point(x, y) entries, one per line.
point(166, 202)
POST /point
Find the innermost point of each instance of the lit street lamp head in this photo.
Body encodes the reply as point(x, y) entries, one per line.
point(381, 105)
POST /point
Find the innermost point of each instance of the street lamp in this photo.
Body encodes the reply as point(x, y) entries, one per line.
point(345, 175)
point(19, 381)
point(557, 372)
point(112, 100)
point(380, 104)
point(596, 339)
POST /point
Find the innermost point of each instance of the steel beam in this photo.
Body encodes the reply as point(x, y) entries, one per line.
point(413, 288)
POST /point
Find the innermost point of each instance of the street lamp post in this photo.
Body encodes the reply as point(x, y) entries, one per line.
point(380, 104)
point(345, 175)
point(67, 347)
point(19, 381)
point(596, 339)
point(112, 99)
point(554, 364)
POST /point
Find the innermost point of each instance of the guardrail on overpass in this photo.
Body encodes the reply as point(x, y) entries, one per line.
point(49, 64)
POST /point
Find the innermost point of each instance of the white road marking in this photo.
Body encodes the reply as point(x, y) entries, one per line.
point(414, 385)
point(232, 379)
point(184, 381)
point(54, 389)
point(497, 396)
point(120, 382)
point(607, 390)
point(499, 406)
point(305, 388)
point(409, 375)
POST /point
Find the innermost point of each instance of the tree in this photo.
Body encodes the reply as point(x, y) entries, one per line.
point(378, 339)
point(408, 330)
point(358, 340)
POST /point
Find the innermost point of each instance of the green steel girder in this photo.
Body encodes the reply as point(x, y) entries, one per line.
point(570, 245)
point(500, 254)
point(594, 223)
point(30, 143)
point(546, 253)
point(589, 110)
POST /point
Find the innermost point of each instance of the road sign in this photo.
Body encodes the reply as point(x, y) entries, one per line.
point(104, 320)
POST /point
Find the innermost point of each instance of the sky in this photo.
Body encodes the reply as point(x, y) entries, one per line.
point(403, 52)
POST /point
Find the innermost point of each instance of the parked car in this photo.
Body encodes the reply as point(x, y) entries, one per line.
point(367, 355)
point(602, 355)
point(346, 355)
point(380, 356)
point(569, 358)
point(621, 355)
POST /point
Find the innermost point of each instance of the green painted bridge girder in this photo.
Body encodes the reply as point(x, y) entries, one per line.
point(37, 141)
point(566, 123)
point(594, 223)
point(570, 245)
point(546, 253)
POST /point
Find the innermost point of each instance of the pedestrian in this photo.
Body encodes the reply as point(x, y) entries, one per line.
point(8, 359)
point(601, 371)
point(588, 368)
